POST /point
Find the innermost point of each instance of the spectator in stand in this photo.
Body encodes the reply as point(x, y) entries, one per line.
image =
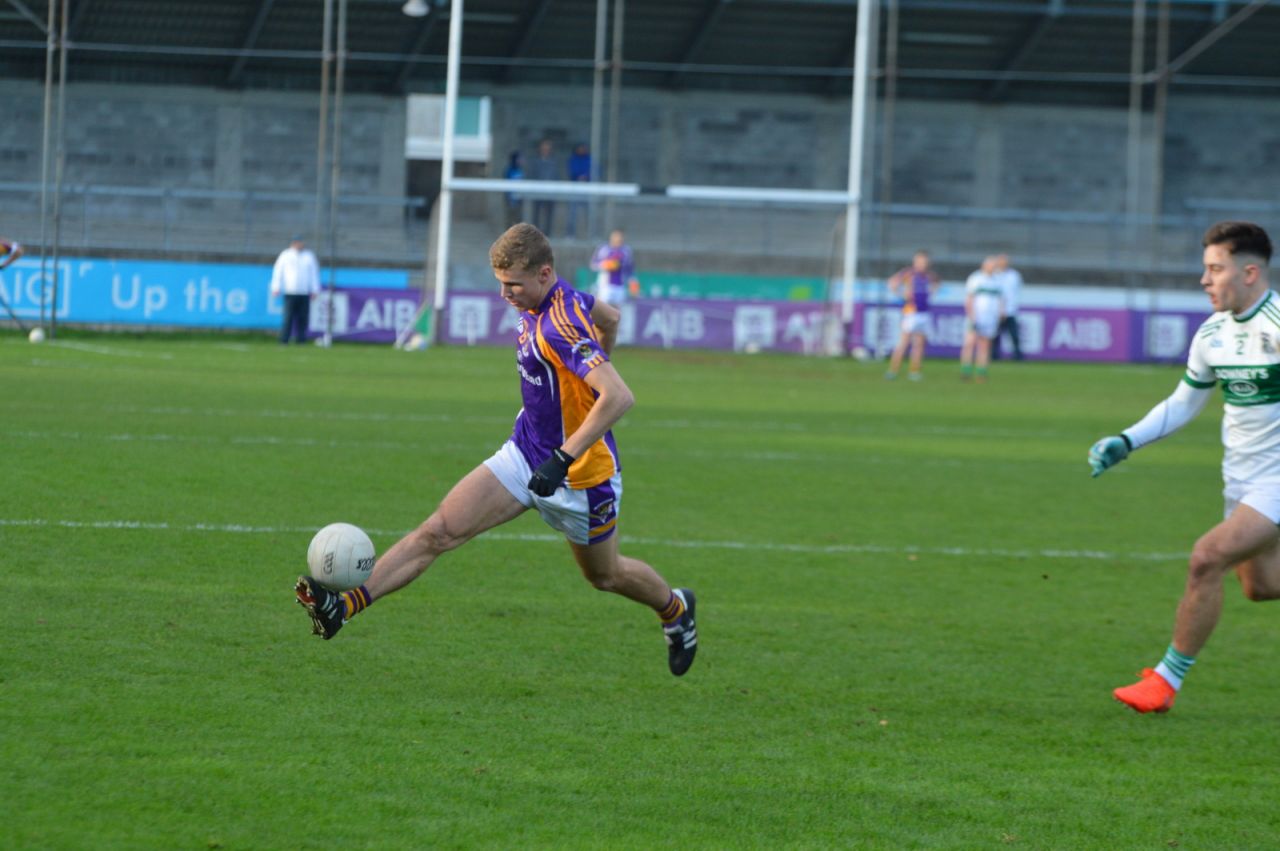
point(514, 171)
point(545, 167)
point(579, 172)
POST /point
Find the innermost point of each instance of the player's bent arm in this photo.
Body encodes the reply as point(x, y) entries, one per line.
point(13, 251)
point(615, 399)
point(1164, 419)
point(606, 318)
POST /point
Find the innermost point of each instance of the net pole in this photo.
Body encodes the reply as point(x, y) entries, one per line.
point(322, 132)
point(50, 49)
point(60, 164)
point(597, 108)
point(857, 143)
point(615, 106)
point(335, 171)
point(446, 166)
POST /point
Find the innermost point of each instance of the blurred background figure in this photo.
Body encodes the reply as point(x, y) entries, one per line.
point(10, 250)
point(983, 313)
point(615, 268)
point(296, 276)
point(914, 284)
point(1010, 282)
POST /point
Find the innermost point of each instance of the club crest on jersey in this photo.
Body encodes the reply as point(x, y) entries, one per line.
point(584, 349)
point(1267, 345)
point(1243, 389)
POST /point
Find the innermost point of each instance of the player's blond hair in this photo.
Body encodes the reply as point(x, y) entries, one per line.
point(522, 247)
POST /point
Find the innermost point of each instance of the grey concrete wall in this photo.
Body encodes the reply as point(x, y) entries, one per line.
point(968, 154)
point(184, 138)
point(1222, 148)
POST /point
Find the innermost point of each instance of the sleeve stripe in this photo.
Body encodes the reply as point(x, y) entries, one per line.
point(568, 321)
point(590, 326)
point(1202, 385)
point(560, 320)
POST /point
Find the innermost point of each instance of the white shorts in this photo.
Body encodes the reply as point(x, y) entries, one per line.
point(985, 324)
point(1262, 497)
point(916, 323)
point(615, 294)
point(586, 516)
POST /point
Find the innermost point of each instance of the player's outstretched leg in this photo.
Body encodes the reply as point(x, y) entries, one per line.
point(682, 634)
point(1152, 693)
point(326, 608)
point(608, 570)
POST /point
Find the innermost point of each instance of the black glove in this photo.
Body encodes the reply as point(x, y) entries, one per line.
point(550, 473)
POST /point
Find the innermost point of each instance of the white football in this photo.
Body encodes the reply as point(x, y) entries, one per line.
point(340, 557)
point(36, 335)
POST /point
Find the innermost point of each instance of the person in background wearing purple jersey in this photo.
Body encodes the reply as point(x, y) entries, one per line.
point(913, 284)
point(561, 458)
point(615, 268)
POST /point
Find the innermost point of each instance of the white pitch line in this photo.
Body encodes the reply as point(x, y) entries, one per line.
point(105, 350)
point(759, 546)
point(704, 426)
point(400, 445)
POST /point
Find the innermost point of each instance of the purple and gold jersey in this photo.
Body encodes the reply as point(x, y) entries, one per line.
point(557, 346)
point(915, 289)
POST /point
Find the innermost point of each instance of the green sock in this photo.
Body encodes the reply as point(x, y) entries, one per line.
point(1174, 666)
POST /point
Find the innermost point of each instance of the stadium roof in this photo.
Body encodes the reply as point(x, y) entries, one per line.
point(993, 50)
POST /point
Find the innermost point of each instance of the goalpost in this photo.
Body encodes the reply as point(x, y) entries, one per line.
point(850, 199)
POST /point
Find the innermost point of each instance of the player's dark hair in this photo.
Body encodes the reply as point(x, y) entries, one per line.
point(1240, 238)
point(522, 247)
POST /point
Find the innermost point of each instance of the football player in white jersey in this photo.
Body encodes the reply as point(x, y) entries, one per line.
point(1238, 347)
point(983, 312)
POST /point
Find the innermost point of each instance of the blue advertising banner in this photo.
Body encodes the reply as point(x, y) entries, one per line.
point(157, 292)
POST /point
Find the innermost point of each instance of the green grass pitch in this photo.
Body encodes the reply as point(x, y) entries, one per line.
point(914, 602)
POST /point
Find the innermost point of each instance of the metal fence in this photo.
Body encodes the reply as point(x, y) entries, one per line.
point(676, 234)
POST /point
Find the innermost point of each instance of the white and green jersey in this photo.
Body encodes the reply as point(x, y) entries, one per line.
point(1243, 355)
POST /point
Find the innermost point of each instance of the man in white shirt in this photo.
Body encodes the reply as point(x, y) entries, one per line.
point(296, 276)
point(1010, 281)
point(1237, 347)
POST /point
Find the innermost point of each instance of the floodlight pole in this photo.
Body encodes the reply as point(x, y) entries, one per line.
point(857, 143)
point(446, 166)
